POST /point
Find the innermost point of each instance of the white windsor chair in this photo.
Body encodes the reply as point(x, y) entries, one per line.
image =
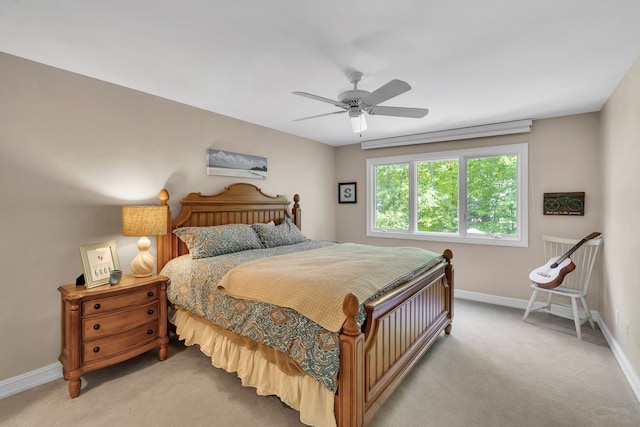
point(575, 283)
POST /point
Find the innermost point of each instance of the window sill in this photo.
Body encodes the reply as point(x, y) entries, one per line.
point(473, 239)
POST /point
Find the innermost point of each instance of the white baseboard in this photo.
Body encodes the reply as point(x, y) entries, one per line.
point(52, 372)
point(621, 358)
point(491, 299)
point(29, 380)
point(623, 362)
point(559, 309)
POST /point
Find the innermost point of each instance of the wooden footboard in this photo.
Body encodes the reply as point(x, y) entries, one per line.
point(401, 326)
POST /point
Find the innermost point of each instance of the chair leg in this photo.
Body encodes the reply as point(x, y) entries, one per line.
point(576, 319)
point(532, 300)
point(549, 297)
point(586, 309)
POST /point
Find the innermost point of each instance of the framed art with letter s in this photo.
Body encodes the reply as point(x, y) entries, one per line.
point(347, 192)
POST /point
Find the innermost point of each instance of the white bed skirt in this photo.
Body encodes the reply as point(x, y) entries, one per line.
point(303, 393)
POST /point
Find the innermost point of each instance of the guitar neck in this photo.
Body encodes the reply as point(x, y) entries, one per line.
point(573, 249)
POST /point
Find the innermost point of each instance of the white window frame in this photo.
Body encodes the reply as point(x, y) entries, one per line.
point(521, 239)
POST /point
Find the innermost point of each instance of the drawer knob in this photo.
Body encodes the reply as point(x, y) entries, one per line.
point(96, 326)
point(150, 312)
point(96, 306)
point(96, 349)
point(150, 294)
point(150, 332)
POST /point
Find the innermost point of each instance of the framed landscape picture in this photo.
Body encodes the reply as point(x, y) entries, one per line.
point(228, 163)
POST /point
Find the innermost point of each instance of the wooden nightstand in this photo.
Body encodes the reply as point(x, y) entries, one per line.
point(108, 324)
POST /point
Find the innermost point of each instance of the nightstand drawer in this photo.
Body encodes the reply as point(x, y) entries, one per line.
point(114, 303)
point(108, 346)
point(98, 326)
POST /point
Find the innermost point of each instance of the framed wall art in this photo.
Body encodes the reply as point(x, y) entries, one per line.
point(98, 261)
point(228, 163)
point(563, 203)
point(347, 192)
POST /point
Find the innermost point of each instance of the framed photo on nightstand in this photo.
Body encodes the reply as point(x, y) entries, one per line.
point(98, 260)
point(347, 192)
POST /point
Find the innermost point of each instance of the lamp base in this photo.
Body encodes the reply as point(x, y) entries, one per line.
point(144, 263)
point(142, 275)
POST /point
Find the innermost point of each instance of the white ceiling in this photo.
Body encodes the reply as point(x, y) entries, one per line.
point(469, 62)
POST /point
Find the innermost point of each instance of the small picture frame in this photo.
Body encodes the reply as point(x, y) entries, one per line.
point(563, 203)
point(347, 192)
point(98, 261)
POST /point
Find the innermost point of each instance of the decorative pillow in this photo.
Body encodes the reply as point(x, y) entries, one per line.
point(283, 234)
point(205, 242)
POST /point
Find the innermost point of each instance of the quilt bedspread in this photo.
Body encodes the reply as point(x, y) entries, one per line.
point(193, 286)
point(326, 275)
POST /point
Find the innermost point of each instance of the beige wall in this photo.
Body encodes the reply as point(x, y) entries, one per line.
point(563, 156)
point(73, 150)
point(620, 292)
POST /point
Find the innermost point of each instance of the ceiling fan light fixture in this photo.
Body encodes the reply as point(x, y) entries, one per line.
point(358, 121)
point(356, 102)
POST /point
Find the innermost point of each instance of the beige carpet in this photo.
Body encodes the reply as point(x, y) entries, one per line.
point(493, 370)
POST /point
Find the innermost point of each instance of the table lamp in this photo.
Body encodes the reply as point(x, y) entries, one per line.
point(143, 221)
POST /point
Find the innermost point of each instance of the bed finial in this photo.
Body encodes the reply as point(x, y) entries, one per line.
point(297, 220)
point(350, 307)
point(163, 196)
point(164, 241)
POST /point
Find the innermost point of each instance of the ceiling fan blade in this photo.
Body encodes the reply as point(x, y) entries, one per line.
point(320, 115)
point(416, 113)
point(320, 98)
point(386, 92)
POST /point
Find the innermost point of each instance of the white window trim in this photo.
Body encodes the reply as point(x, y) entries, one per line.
point(520, 240)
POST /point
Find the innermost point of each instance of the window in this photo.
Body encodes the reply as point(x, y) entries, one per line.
point(475, 195)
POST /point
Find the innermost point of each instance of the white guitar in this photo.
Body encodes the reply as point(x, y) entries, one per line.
point(552, 273)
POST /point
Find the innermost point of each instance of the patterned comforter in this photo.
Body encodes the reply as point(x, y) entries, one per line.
point(194, 287)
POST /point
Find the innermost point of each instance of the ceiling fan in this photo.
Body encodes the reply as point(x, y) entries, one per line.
point(356, 102)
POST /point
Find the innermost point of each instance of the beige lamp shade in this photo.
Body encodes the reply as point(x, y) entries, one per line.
point(143, 221)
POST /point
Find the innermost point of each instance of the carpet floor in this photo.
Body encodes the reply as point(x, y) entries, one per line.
point(493, 370)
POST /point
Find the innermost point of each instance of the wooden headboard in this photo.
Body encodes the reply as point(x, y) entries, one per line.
point(239, 203)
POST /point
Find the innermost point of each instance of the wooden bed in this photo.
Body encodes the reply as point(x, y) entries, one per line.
point(401, 325)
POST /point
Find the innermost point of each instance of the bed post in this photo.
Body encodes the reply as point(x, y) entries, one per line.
point(448, 272)
point(349, 404)
point(296, 212)
point(163, 243)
